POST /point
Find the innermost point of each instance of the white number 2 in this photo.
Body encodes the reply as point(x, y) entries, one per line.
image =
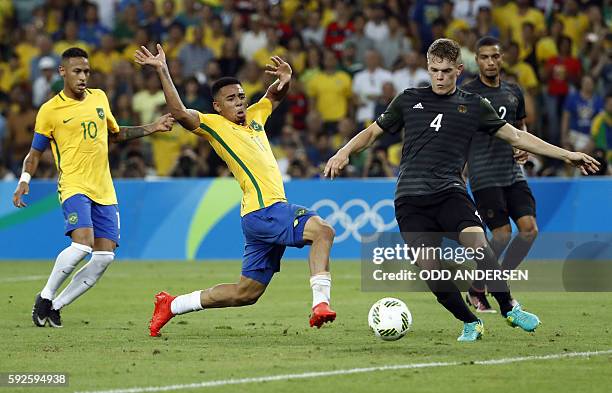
point(436, 122)
point(502, 111)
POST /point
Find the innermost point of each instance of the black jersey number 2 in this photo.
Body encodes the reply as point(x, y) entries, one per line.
point(436, 122)
point(502, 112)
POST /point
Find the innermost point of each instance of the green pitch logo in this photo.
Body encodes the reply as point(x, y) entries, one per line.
point(100, 113)
point(73, 218)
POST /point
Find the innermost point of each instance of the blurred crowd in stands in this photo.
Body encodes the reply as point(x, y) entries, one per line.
point(349, 60)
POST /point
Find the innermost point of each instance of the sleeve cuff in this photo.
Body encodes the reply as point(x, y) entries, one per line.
point(40, 142)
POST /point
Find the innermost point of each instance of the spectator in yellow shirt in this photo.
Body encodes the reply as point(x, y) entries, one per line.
point(175, 41)
point(524, 72)
point(453, 25)
point(601, 128)
point(106, 57)
point(147, 103)
point(272, 48)
point(546, 48)
point(575, 24)
point(27, 49)
point(167, 148)
point(71, 39)
point(140, 39)
point(503, 13)
point(296, 56)
point(525, 13)
point(251, 81)
point(214, 38)
point(330, 91)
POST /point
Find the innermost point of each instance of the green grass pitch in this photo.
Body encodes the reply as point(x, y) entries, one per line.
point(104, 343)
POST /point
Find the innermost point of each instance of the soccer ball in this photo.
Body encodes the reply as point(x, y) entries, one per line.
point(390, 319)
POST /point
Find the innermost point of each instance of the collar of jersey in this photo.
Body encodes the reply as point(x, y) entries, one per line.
point(68, 99)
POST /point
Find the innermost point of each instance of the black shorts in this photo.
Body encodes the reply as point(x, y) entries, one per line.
point(497, 204)
point(423, 220)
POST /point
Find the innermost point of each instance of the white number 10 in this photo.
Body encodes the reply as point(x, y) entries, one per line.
point(436, 122)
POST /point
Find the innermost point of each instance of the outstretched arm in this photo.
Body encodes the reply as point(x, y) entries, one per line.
point(531, 143)
point(277, 90)
point(521, 156)
point(163, 124)
point(188, 118)
point(358, 143)
point(30, 164)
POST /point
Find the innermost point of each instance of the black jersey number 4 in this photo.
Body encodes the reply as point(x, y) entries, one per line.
point(436, 123)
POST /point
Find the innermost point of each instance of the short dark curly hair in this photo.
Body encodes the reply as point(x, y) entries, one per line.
point(445, 49)
point(221, 83)
point(74, 52)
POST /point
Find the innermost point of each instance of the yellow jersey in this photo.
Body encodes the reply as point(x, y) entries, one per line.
point(79, 141)
point(247, 153)
point(574, 27)
point(332, 93)
point(167, 147)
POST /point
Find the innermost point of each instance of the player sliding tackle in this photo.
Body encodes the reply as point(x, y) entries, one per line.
point(439, 123)
point(269, 223)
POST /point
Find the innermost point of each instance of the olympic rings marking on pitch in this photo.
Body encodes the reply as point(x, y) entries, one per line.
point(341, 219)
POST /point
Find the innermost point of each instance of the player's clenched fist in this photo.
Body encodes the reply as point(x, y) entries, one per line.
point(164, 123)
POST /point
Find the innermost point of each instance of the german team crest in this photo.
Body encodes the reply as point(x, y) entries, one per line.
point(255, 126)
point(462, 108)
point(100, 113)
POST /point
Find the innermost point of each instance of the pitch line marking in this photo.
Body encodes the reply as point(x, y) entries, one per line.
point(22, 278)
point(285, 377)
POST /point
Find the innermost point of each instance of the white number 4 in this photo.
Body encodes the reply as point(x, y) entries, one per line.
point(436, 122)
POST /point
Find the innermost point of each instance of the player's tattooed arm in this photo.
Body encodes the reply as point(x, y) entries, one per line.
point(186, 117)
point(277, 90)
point(163, 124)
point(30, 164)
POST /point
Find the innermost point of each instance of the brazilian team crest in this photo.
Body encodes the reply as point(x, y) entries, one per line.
point(255, 126)
point(100, 113)
point(73, 218)
point(298, 213)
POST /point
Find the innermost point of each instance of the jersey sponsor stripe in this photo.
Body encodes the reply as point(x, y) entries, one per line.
point(246, 170)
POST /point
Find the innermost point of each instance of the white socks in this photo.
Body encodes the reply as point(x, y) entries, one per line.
point(321, 288)
point(84, 278)
point(65, 263)
point(186, 303)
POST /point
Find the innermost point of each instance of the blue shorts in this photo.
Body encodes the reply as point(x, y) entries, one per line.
point(267, 232)
point(82, 212)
